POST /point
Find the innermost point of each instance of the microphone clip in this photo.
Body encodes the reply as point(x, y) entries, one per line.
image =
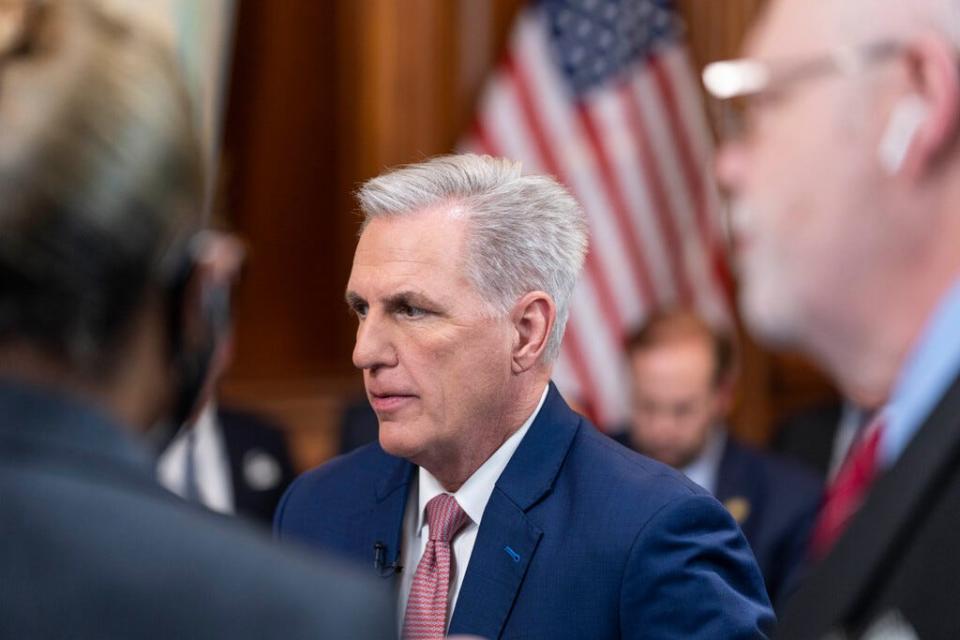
point(380, 565)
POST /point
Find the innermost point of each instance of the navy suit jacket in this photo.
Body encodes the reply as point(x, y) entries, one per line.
point(250, 438)
point(582, 538)
point(777, 501)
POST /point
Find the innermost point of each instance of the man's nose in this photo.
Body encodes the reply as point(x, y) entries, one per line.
point(662, 422)
point(374, 347)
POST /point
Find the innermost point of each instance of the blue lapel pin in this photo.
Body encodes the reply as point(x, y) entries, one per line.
point(513, 554)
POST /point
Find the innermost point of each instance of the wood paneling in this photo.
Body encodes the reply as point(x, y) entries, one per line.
point(716, 28)
point(326, 94)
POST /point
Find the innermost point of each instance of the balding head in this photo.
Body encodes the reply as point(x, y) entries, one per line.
point(849, 181)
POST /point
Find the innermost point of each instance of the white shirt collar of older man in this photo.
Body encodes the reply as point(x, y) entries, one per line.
point(475, 492)
point(705, 470)
point(472, 497)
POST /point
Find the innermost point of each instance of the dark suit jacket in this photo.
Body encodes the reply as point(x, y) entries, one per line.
point(808, 435)
point(776, 503)
point(93, 548)
point(899, 555)
point(251, 440)
point(582, 538)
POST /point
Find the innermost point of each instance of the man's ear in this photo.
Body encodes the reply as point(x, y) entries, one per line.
point(533, 317)
point(935, 84)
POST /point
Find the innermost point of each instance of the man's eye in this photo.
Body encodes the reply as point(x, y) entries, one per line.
point(360, 310)
point(409, 311)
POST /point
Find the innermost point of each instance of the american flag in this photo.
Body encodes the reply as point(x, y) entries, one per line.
point(601, 94)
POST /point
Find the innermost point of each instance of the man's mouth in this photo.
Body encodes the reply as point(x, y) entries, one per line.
point(386, 402)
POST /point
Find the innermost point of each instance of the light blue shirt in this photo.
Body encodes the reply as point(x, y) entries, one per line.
point(931, 366)
point(705, 470)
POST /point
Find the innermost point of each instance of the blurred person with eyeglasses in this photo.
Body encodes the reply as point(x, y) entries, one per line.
point(845, 188)
point(112, 309)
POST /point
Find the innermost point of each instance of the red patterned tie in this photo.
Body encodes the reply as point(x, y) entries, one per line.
point(847, 491)
point(426, 615)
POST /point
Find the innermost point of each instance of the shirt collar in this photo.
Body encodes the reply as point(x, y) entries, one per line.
point(476, 491)
point(932, 365)
point(706, 467)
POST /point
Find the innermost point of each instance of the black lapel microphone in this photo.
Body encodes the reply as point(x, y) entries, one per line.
point(380, 564)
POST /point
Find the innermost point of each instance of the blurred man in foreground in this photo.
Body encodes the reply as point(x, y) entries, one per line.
point(682, 387)
point(509, 513)
point(847, 187)
point(111, 304)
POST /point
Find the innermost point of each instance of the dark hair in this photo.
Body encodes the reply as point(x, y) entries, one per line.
point(672, 325)
point(100, 177)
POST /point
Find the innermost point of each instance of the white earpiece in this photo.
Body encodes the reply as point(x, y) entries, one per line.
point(905, 119)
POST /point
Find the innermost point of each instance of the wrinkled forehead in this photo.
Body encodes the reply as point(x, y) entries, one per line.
point(811, 27)
point(416, 248)
point(797, 28)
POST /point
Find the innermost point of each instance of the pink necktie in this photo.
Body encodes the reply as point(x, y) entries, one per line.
point(847, 491)
point(426, 615)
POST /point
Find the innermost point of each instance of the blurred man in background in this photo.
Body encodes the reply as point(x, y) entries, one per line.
point(112, 302)
point(846, 181)
point(682, 390)
point(229, 460)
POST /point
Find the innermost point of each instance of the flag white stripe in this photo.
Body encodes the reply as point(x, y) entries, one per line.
point(680, 72)
point(593, 149)
point(631, 178)
point(682, 203)
point(502, 122)
point(575, 160)
point(602, 355)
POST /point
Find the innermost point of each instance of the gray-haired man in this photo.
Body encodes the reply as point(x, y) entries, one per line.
point(509, 513)
point(848, 179)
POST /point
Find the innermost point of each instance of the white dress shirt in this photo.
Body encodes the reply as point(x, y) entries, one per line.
point(211, 466)
point(472, 498)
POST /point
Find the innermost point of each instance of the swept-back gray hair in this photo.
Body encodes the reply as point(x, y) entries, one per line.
point(526, 232)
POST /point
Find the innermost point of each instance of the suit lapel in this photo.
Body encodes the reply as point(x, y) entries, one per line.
point(737, 486)
point(507, 539)
point(880, 529)
point(505, 545)
point(382, 526)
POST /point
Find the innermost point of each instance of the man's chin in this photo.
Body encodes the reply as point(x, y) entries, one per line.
point(766, 316)
point(395, 439)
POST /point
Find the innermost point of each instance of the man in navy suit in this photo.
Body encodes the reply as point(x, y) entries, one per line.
point(231, 461)
point(682, 386)
point(496, 509)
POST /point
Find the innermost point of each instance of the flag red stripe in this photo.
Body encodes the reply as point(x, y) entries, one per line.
point(532, 121)
point(591, 397)
point(631, 153)
point(666, 216)
point(692, 174)
point(571, 340)
point(620, 210)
